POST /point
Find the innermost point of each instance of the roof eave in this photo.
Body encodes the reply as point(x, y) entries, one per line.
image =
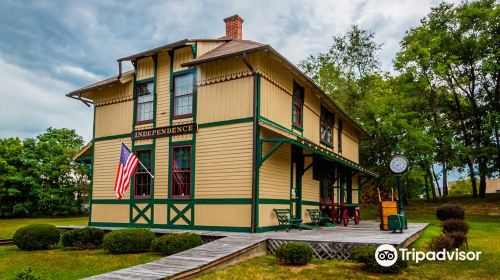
point(154, 50)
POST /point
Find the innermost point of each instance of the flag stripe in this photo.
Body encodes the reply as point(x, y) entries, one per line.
point(127, 166)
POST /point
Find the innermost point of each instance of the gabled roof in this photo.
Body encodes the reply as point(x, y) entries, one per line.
point(231, 48)
point(105, 82)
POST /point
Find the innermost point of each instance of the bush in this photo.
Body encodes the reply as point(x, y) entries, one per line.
point(36, 237)
point(294, 253)
point(170, 244)
point(458, 238)
point(128, 241)
point(27, 274)
point(441, 242)
point(85, 238)
point(366, 256)
point(450, 226)
point(450, 211)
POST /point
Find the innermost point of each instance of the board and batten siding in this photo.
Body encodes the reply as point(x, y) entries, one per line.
point(163, 90)
point(275, 103)
point(225, 101)
point(224, 161)
point(181, 56)
point(114, 110)
point(203, 47)
point(106, 155)
point(145, 69)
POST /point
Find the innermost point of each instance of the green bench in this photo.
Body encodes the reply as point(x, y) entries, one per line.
point(317, 218)
point(285, 218)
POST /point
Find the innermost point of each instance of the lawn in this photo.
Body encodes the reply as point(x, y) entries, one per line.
point(482, 216)
point(9, 226)
point(60, 263)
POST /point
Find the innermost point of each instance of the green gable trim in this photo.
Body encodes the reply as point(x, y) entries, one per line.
point(228, 122)
point(147, 80)
point(272, 123)
point(179, 201)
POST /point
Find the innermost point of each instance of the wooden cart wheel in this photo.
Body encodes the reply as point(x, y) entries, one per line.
point(345, 217)
point(356, 216)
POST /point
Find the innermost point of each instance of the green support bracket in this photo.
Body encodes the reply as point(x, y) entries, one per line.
point(270, 152)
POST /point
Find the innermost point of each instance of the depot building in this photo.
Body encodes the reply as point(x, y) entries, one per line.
point(230, 129)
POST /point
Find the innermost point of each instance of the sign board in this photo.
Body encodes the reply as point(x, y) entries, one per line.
point(164, 131)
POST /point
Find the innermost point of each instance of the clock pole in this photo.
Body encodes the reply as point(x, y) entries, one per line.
point(400, 194)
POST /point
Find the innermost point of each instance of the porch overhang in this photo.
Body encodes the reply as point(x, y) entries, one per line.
point(317, 150)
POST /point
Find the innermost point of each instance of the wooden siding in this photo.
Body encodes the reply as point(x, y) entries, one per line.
point(110, 213)
point(145, 68)
point(224, 161)
point(181, 56)
point(113, 119)
point(163, 91)
point(161, 168)
point(106, 155)
point(275, 104)
point(274, 178)
point(223, 215)
point(225, 101)
point(160, 217)
point(266, 215)
point(350, 143)
point(312, 112)
point(310, 187)
point(204, 47)
point(222, 70)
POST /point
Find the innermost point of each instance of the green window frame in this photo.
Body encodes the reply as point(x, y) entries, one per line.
point(297, 105)
point(326, 127)
point(144, 102)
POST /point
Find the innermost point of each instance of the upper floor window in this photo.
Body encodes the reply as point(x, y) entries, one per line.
point(340, 136)
point(142, 181)
point(298, 103)
point(145, 102)
point(181, 172)
point(326, 127)
point(183, 95)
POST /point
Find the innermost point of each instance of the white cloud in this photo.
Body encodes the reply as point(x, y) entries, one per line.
point(78, 72)
point(32, 102)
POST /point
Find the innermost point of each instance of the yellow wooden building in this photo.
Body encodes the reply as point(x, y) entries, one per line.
point(230, 129)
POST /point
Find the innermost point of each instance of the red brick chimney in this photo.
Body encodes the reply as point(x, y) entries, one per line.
point(234, 27)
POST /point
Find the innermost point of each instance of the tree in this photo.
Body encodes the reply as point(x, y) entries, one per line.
point(38, 176)
point(455, 50)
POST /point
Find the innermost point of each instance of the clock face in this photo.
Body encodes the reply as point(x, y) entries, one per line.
point(398, 164)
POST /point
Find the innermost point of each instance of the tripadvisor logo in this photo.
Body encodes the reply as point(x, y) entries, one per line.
point(387, 255)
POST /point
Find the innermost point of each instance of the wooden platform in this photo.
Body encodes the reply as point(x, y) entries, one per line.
point(228, 248)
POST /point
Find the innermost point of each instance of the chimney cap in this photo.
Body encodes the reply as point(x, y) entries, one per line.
point(236, 16)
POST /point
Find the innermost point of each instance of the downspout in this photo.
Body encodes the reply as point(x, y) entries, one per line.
point(256, 136)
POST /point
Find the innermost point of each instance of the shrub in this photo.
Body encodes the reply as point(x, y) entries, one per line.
point(128, 241)
point(366, 256)
point(170, 244)
point(84, 238)
point(294, 253)
point(450, 211)
point(458, 238)
point(36, 237)
point(27, 274)
point(441, 242)
point(450, 226)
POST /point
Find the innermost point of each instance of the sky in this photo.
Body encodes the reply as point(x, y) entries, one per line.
point(49, 48)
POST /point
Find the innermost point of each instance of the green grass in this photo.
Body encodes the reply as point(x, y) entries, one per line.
point(482, 216)
point(66, 264)
point(9, 226)
point(60, 263)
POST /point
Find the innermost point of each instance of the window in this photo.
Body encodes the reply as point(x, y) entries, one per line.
point(145, 102)
point(181, 172)
point(298, 102)
point(326, 127)
point(142, 181)
point(340, 136)
point(183, 96)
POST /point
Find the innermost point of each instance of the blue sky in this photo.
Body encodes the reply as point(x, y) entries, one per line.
point(48, 48)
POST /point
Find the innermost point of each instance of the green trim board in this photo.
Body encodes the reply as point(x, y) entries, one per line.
point(180, 201)
point(226, 122)
point(112, 137)
point(162, 226)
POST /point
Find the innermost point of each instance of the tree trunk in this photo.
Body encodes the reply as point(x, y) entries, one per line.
point(482, 179)
point(431, 184)
point(427, 188)
point(472, 175)
point(445, 178)
point(436, 178)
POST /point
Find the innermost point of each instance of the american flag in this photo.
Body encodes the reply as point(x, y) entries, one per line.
point(126, 167)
